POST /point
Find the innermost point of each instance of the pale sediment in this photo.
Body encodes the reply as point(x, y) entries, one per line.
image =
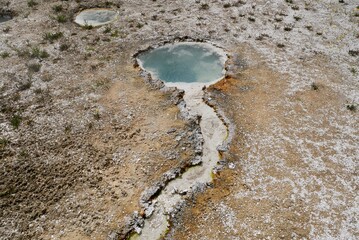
point(214, 133)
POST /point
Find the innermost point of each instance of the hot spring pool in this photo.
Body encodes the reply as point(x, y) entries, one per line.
point(96, 17)
point(185, 63)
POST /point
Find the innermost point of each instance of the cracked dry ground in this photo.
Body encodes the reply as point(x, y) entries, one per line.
point(93, 135)
point(80, 165)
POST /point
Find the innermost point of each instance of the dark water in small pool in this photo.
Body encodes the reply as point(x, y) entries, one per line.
point(4, 18)
point(184, 63)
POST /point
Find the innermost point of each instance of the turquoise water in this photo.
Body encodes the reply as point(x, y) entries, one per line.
point(184, 63)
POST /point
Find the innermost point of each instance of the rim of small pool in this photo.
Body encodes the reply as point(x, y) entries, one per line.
point(223, 57)
point(82, 22)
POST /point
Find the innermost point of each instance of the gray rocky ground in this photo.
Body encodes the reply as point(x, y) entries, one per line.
point(83, 134)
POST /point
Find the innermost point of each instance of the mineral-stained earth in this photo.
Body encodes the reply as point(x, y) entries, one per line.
point(84, 133)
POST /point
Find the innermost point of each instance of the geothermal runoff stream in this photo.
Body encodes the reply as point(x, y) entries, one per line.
point(187, 66)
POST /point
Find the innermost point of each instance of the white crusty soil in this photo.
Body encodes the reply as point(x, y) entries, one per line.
point(94, 135)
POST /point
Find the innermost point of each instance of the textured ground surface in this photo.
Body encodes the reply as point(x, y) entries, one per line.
point(93, 135)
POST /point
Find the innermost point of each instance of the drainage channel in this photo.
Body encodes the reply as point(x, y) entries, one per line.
point(214, 132)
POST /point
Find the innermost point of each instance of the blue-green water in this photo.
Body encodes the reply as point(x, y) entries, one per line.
point(183, 62)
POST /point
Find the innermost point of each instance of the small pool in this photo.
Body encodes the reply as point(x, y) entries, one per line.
point(185, 63)
point(96, 17)
point(5, 18)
